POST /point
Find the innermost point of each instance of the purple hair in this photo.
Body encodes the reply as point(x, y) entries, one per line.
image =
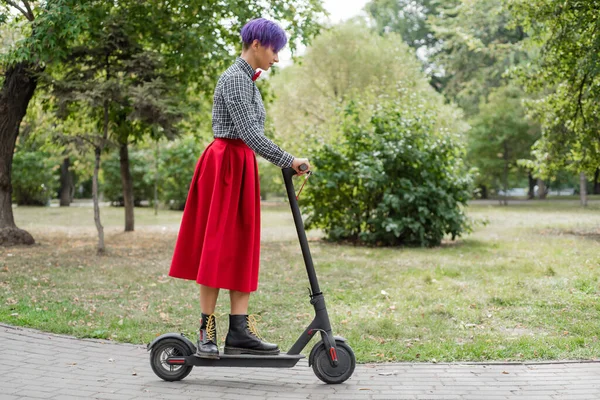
point(268, 33)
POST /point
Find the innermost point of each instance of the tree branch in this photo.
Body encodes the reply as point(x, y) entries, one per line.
point(27, 13)
point(29, 9)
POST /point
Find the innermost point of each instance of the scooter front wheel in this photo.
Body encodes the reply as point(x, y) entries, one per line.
point(328, 373)
point(161, 352)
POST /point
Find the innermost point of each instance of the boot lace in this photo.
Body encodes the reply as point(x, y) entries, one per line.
point(211, 330)
point(252, 321)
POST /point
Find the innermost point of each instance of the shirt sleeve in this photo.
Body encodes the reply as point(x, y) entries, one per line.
point(237, 93)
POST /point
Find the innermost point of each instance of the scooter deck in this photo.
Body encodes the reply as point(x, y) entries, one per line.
point(243, 360)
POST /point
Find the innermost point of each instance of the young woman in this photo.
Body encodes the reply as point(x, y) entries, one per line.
point(219, 240)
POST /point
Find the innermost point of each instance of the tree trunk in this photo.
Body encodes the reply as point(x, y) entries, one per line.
point(18, 88)
point(99, 227)
point(531, 192)
point(541, 189)
point(66, 183)
point(484, 192)
point(505, 177)
point(582, 189)
point(98, 152)
point(156, 157)
point(597, 181)
point(127, 183)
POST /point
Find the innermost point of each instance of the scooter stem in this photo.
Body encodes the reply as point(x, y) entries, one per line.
point(288, 173)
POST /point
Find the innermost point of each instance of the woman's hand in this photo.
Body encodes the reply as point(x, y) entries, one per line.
point(298, 162)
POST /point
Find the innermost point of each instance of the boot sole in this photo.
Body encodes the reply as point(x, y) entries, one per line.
point(207, 355)
point(236, 351)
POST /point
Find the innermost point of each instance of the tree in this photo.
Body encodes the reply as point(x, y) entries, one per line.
point(408, 18)
point(140, 94)
point(47, 29)
point(564, 79)
point(182, 30)
point(469, 45)
point(479, 45)
point(477, 49)
point(141, 167)
point(500, 137)
point(368, 67)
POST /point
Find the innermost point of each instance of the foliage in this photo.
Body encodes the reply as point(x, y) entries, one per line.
point(564, 80)
point(271, 180)
point(41, 130)
point(408, 18)
point(311, 95)
point(500, 137)
point(405, 17)
point(34, 179)
point(177, 164)
point(113, 71)
point(141, 167)
point(179, 29)
point(477, 49)
point(44, 35)
point(183, 30)
point(393, 181)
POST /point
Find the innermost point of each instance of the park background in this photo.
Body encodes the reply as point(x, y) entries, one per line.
point(454, 205)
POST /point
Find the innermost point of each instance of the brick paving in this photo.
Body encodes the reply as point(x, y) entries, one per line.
point(37, 365)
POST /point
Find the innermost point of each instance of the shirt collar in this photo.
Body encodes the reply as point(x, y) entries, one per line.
point(247, 68)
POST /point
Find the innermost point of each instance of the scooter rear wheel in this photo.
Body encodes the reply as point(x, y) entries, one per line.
point(158, 359)
point(325, 371)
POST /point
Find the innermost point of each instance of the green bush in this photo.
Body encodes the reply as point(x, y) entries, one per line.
point(177, 164)
point(34, 177)
point(141, 167)
point(271, 180)
point(390, 181)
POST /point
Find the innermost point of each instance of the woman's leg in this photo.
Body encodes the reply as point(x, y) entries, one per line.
point(239, 302)
point(208, 299)
point(207, 338)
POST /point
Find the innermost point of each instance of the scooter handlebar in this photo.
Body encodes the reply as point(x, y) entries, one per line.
point(289, 172)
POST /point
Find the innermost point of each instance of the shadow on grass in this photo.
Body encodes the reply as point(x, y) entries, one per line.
point(466, 243)
point(593, 235)
point(551, 205)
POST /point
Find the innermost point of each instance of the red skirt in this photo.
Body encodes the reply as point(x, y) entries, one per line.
point(219, 238)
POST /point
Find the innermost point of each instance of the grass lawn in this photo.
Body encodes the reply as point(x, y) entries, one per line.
point(525, 286)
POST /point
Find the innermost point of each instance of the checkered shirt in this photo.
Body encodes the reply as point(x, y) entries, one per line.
point(239, 113)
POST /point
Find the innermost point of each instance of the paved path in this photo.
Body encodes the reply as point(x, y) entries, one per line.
point(41, 365)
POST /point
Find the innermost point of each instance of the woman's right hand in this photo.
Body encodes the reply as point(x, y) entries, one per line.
point(298, 162)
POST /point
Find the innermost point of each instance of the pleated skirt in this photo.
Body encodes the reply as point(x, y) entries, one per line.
point(219, 239)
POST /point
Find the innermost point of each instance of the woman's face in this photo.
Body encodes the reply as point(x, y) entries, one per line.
point(265, 57)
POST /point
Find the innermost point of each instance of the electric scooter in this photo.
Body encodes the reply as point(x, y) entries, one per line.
point(332, 359)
